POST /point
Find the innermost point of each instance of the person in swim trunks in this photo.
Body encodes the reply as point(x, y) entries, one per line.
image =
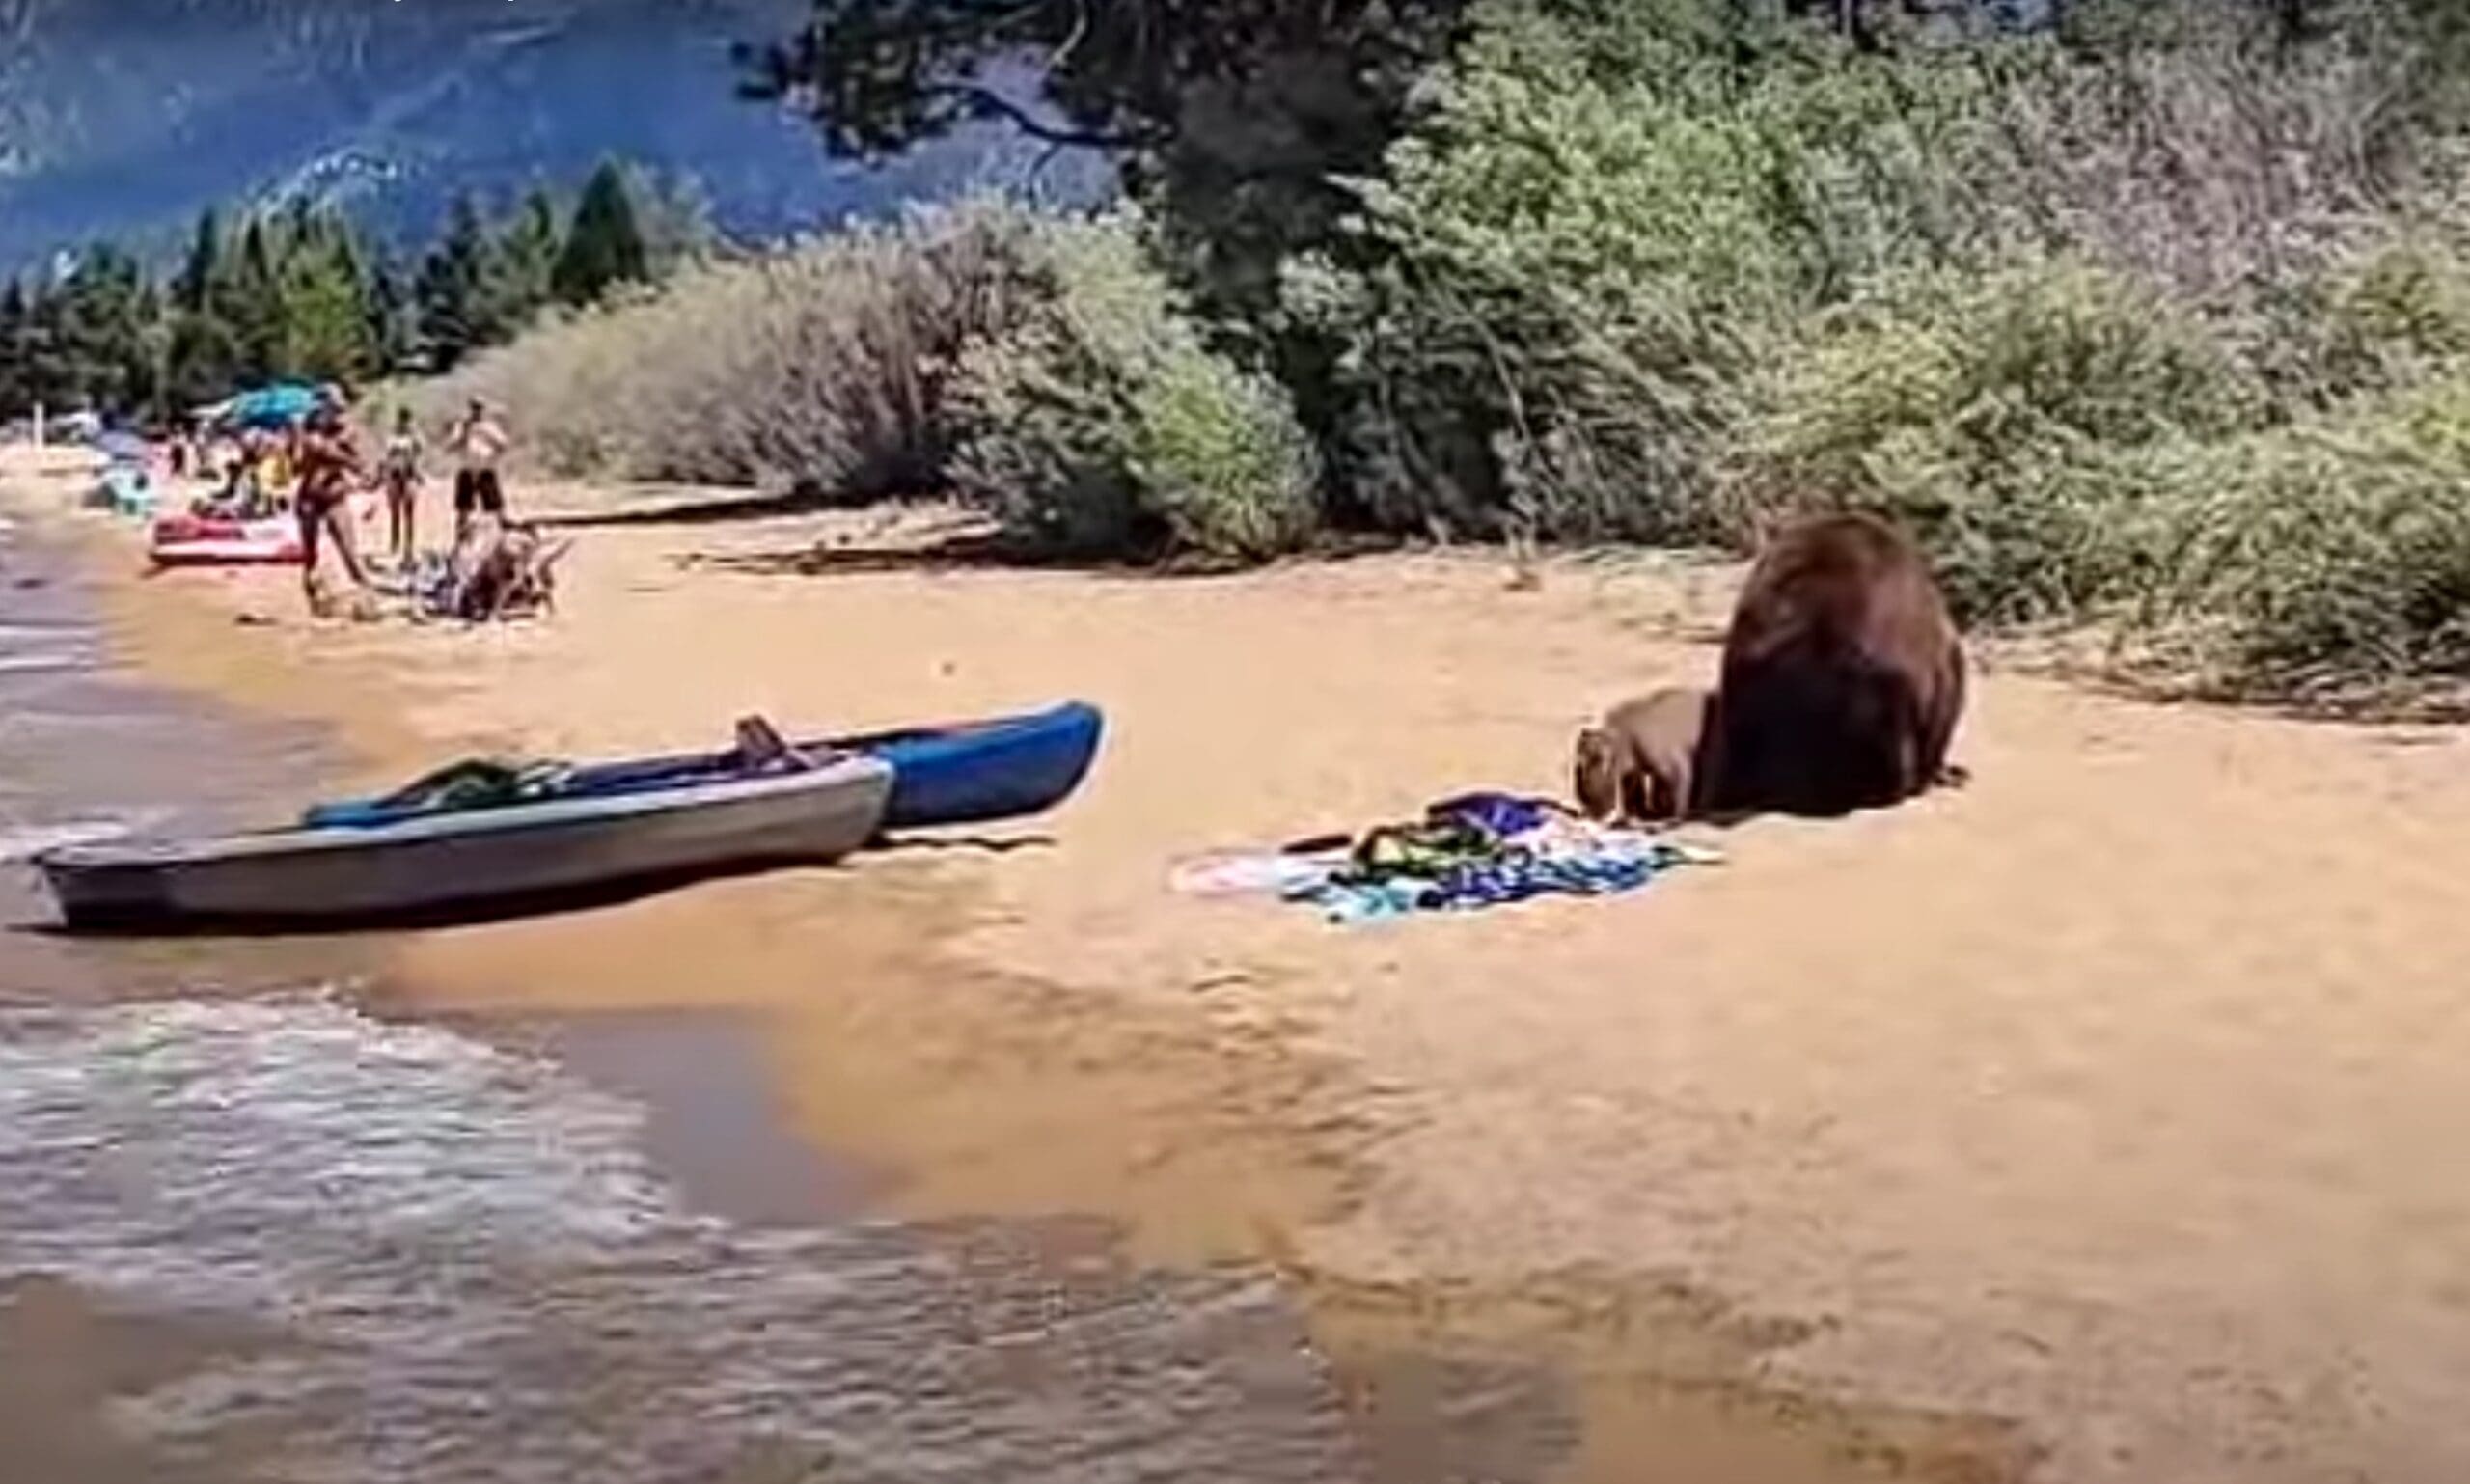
point(479, 441)
point(329, 469)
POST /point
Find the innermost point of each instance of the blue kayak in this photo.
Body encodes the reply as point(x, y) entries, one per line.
point(963, 773)
point(978, 772)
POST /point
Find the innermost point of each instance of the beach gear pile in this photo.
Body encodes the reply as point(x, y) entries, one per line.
point(1468, 853)
point(496, 571)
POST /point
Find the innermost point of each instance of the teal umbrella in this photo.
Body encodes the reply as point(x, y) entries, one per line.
point(279, 405)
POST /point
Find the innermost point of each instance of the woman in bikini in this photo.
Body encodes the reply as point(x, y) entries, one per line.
point(329, 468)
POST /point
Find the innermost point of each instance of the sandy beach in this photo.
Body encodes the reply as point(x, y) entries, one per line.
point(2090, 1124)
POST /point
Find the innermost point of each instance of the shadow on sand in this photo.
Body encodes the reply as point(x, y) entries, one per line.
point(703, 508)
point(958, 551)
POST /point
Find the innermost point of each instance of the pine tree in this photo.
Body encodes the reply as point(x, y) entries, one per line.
point(251, 302)
point(454, 317)
point(102, 325)
point(201, 355)
point(605, 245)
point(204, 360)
point(525, 265)
point(52, 377)
point(324, 317)
point(151, 382)
point(15, 397)
point(204, 264)
point(394, 321)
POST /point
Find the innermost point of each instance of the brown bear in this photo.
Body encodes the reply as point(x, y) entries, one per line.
point(1843, 675)
point(1641, 761)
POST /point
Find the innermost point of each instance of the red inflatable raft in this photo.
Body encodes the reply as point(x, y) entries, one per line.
point(193, 541)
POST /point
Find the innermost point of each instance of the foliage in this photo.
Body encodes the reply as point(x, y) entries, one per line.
point(673, 211)
point(528, 252)
point(604, 247)
point(1233, 118)
point(1039, 366)
point(1102, 423)
point(825, 362)
point(2068, 442)
point(2013, 420)
point(2064, 304)
point(297, 291)
point(456, 311)
point(2334, 553)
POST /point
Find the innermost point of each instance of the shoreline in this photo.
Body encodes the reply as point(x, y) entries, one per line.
point(1796, 1177)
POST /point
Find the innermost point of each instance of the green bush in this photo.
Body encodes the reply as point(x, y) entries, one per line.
point(824, 362)
point(2022, 424)
point(2389, 313)
point(2335, 552)
point(2162, 319)
point(1103, 425)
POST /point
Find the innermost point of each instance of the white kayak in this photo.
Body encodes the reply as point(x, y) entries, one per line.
point(465, 859)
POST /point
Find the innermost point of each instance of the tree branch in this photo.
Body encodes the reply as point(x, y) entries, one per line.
point(983, 100)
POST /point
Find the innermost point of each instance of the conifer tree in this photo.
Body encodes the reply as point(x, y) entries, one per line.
point(455, 319)
point(605, 245)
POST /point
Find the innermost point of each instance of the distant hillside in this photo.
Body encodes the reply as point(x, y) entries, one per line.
point(125, 117)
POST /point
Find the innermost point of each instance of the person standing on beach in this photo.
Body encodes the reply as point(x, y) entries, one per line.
point(401, 467)
point(479, 441)
point(329, 469)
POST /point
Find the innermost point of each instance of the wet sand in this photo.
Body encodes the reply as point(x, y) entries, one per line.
point(2087, 1124)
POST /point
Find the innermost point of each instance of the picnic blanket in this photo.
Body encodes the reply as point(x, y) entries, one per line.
point(1466, 854)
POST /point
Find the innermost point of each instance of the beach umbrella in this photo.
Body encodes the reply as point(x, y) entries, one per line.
point(272, 406)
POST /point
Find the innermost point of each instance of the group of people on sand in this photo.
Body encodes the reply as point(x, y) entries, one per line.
point(478, 440)
point(316, 465)
point(1839, 689)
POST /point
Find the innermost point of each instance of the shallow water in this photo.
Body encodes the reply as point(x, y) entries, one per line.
point(85, 755)
point(251, 1231)
point(467, 1268)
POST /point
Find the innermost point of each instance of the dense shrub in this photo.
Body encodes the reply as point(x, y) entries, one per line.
point(1103, 423)
point(2164, 318)
point(2392, 312)
point(2336, 551)
point(2069, 443)
point(2022, 424)
point(824, 362)
point(2075, 309)
point(1612, 213)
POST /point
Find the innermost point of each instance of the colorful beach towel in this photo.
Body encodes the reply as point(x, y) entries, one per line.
point(1466, 854)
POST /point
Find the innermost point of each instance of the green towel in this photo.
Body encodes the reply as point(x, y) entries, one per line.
point(480, 783)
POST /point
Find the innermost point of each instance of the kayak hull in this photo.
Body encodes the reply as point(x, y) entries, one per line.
point(470, 860)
